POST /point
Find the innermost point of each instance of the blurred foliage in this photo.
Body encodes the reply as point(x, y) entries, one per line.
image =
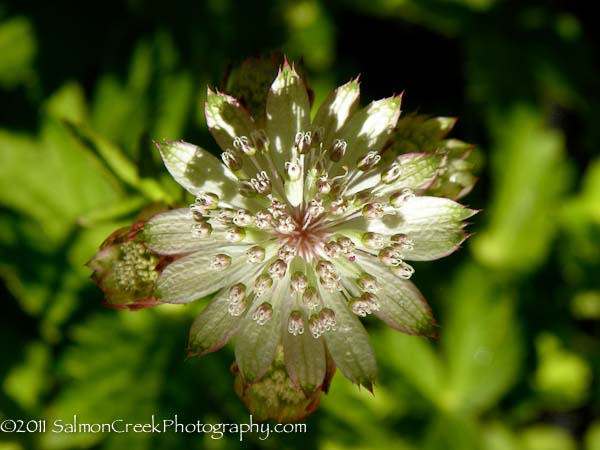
point(86, 86)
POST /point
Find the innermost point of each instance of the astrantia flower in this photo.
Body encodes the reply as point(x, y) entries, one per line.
point(302, 228)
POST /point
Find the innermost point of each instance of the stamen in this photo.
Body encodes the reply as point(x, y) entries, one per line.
point(262, 284)
point(261, 183)
point(332, 249)
point(368, 161)
point(299, 282)
point(367, 283)
point(398, 198)
point(338, 150)
point(293, 170)
point(295, 323)
point(315, 327)
point(226, 216)
point(287, 252)
point(235, 234)
point(207, 200)
point(403, 270)
point(242, 143)
point(263, 220)
point(402, 242)
point(363, 305)
point(311, 298)
point(373, 241)
point(256, 254)
point(315, 208)
point(391, 174)
point(263, 313)
point(323, 185)
point(201, 230)
point(231, 160)
point(243, 218)
point(373, 211)
point(302, 142)
point(390, 257)
point(261, 140)
point(220, 262)
point(339, 207)
point(277, 269)
point(327, 319)
point(235, 299)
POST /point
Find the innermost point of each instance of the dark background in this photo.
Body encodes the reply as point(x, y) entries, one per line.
point(517, 364)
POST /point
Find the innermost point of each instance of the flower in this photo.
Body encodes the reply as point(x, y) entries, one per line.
point(303, 228)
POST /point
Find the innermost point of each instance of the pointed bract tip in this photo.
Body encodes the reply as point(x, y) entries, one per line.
point(368, 385)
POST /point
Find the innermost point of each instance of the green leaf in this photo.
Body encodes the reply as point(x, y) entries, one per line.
point(118, 162)
point(480, 340)
point(18, 47)
point(530, 177)
point(415, 361)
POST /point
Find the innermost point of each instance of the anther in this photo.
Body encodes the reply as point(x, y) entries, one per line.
point(339, 207)
point(299, 283)
point(242, 143)
point(287, 252)
point(263, 313)
point(367, 283)
point(323, 184)
point(255, 254)
point(242, 218)
point(263, 219)
point(302, 141)
point(373, 241)
point(277, 269)
point(295, 323)
point(391, 174)
point(390, 257)
point(235, 234)
point(201, 229)
point(373, 211)
point(402, 242)
point(403, 270)
point(338, 150)
point(398, 198)
point(220, 262)
point(261, 183)
point(231, 160)
point(363, 305)
point(315, 207)
point(293, 170)
point(332, 249)
point(311, 298)
point(262, 283)
point(327, 319)
point(368, 161)
point(236, 293)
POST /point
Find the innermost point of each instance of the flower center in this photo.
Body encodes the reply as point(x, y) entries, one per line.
point(308, 237)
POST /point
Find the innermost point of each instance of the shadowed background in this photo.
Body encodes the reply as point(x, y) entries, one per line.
point(517, 364)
